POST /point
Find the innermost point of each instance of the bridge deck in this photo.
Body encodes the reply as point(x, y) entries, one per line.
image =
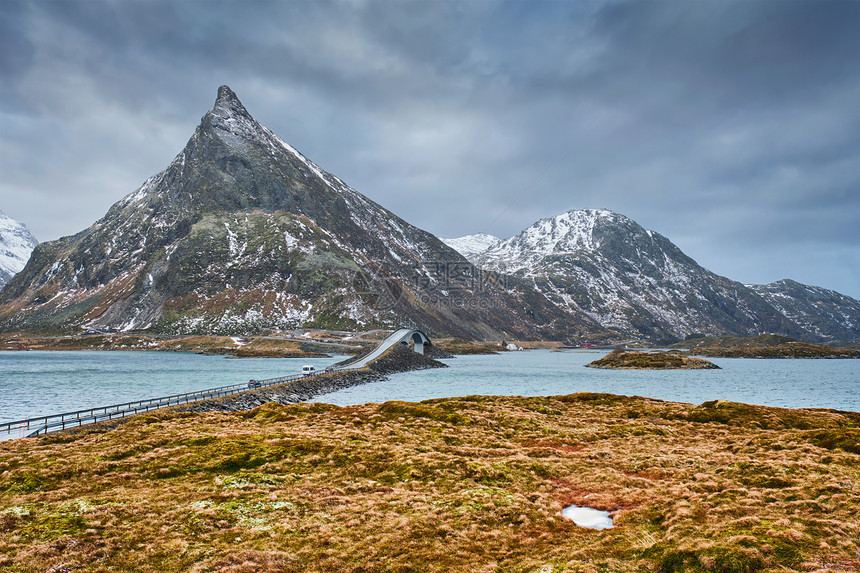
point(387, 343)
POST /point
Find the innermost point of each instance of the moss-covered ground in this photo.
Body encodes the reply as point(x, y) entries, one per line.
point(462, 484)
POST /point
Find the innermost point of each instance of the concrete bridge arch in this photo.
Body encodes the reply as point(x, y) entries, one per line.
point(418, 338)
point(403, 336)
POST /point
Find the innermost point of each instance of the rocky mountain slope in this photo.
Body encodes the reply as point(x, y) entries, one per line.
point(16, 244)
point(241, 232)
point(627, 278)
point(825, 314)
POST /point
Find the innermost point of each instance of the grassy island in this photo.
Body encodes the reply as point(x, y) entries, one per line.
point(461, 484)
point(632, 360)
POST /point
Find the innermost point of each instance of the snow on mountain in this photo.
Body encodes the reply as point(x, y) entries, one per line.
point(240, 233)
point(16, 244)
point(827, 314)
point(627, 278)
point(472, 245)
point(566, 233)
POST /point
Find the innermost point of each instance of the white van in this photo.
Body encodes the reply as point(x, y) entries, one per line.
point(308, 370)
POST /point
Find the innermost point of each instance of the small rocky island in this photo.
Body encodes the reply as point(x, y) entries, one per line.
point(634, 360)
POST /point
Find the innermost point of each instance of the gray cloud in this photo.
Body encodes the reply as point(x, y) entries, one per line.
point(731, 127)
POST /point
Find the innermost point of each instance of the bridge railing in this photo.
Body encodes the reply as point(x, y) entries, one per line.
point(44, 424)
point(53, 422)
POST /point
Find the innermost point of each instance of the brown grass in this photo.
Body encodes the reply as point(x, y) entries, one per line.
point(631, 360)
point(468, 484)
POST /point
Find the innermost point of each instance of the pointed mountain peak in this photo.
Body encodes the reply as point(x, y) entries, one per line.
point(228, 98)
point(229, 122)
point(227, 104)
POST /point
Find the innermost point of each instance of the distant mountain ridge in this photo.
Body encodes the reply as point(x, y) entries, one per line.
point(16, 244)
point(240, 233)
point(826, 314)
point(636, 281)
point(471, 245)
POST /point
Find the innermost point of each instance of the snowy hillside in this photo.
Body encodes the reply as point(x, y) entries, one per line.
point(472, 245)
point(627, 278)
point(829, 315)
point(566, 233)
point(16, 244)
point(243, 233)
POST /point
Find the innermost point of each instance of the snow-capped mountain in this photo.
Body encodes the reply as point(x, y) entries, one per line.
point(242, 232)
point(471, 245)
point(627, 278)
point(825, 314)
point(569, 232)
point(16, 244)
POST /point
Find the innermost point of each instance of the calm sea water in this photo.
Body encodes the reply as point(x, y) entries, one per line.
point(37, 383)
point(785, 383)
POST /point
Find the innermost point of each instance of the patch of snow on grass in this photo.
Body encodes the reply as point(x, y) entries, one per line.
point(588, 517)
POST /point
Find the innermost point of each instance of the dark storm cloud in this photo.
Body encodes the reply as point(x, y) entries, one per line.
point(733, 128)
point(16, 51)
point(751, 52)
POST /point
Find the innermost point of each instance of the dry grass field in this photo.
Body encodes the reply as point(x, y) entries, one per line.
point(464, 484)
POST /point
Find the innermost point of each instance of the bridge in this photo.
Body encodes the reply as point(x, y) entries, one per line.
point(41, 425)
point(402, 336)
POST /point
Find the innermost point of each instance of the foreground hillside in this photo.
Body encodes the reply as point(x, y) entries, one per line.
point(468, 484)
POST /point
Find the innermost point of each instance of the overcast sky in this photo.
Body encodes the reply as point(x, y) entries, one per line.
point(732, 128)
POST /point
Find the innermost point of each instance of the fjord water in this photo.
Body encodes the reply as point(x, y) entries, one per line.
point(788, 383)
point(38, 383)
